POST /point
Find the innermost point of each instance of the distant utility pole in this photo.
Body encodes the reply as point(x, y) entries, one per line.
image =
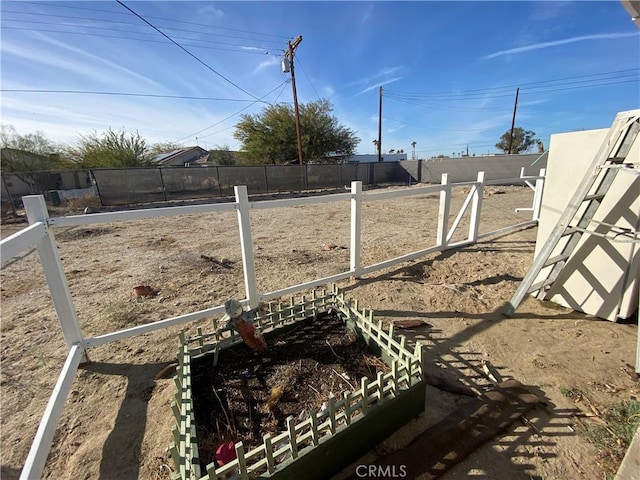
point(290, 54)
point(513, 121)
point(380, 127)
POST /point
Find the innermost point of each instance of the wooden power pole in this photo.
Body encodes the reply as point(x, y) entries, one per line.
point(290, 54)
point(513, 121)
point(380, 127)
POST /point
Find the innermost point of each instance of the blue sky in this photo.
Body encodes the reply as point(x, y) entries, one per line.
point(449, 70)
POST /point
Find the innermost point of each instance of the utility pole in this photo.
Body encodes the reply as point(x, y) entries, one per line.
point(290, 54)
point(380, 128)
point(513, 121)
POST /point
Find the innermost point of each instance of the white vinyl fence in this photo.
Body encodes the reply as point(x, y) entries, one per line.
point(39, 233)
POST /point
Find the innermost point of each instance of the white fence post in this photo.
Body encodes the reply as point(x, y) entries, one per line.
point(54, 273)
point(246, 244)
point(537, 195)
point(476, 207)
point(39, 451)
point(356, 224)
point(443, 212)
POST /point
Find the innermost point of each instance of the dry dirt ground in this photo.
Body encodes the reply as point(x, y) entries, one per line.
point(117, 421)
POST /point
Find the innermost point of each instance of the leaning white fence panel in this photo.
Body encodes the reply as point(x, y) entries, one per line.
point(39, 233)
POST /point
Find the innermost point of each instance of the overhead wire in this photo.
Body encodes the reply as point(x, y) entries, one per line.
point(188, 52)
point(153, 17)
point(122, 23)
point(307, 76)
point(479, 91)
point(435, 106)
point(170, 39)
point(123, 94)
point(434, 128)
point(283, 87)
point(228, 117)
point(523, 91)
point(240, 50)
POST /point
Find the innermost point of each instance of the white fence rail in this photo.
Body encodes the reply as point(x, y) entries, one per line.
point(40, 234)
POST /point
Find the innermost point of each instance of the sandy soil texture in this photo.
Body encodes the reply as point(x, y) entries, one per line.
point(117, 421)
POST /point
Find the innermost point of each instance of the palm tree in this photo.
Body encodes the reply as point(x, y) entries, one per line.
point(413, 153)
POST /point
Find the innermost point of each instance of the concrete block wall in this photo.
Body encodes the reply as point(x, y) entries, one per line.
point(465, 169)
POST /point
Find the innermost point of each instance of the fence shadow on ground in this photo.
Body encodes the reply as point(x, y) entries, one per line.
point(512, 452)
point(121, 451)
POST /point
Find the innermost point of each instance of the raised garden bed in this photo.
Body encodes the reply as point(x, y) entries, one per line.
point(331, 385)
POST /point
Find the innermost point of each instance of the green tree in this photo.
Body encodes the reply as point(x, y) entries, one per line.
point(523, 140)
point(270, 137)
point(109, 149)
point(221, 155)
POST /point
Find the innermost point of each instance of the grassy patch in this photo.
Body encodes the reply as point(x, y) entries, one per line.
point(121, 314)
point(573, 393)
point(613, 439)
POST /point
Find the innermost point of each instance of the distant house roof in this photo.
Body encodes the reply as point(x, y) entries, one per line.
point(189, 154)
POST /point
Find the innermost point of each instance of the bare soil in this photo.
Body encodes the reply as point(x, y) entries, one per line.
point(117, 421)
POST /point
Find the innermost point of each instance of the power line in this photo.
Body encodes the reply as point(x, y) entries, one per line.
point(583, 86)
point(230, 116)
point(156, 18)
point(447, 108)
point(124, 94)
point(541, 89)
point(283, 87)
point(240, 50)
point(307, 76)
point(439, 129)
point(187, 51)
point(488, 89)
point(121, 23)
point(440, 107)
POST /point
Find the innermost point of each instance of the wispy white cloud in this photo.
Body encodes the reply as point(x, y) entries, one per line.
point(531, 103)
point(251, 49)
point(381, 73)
point(82, 63)
point(555, 43)
point(545, 11)
point(266, 64)
point(63, 117)
point(387, 71)
point(379, 84)
point(210, 11)
point(328, 91)
point(366, 15)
